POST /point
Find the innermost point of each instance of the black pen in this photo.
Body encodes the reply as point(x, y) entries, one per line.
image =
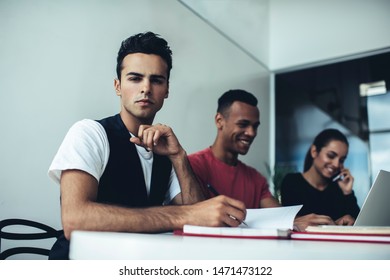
point(214, 191)
point(211, 188)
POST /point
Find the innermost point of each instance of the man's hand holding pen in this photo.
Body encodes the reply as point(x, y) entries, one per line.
point(158, 138)
point(231, 216)
point(219, 211)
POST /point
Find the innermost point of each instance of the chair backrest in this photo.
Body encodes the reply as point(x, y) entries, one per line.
point(47, 232)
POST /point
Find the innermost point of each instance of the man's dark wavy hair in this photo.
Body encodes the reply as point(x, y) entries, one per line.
point(148, 43)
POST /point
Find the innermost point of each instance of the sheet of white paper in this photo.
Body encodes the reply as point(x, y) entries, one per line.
point(278, 217)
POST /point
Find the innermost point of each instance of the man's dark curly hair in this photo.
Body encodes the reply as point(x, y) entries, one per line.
point(148, 43)
point(227, 99)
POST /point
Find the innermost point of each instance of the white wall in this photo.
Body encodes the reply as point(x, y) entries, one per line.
point(246, 22)
point(285, 33)
point(57, 64)
point(307, 31)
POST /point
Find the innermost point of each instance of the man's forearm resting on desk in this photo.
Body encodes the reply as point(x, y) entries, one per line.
point(80, 211)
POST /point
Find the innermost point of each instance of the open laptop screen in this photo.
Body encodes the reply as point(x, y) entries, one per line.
point(376, 207)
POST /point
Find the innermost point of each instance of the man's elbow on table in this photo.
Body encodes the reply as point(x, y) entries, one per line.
point(69, 224)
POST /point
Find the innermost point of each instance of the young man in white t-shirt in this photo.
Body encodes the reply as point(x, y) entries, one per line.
point(87, 163)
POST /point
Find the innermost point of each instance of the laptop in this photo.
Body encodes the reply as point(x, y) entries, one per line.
point(374, 216)
point(376, 207)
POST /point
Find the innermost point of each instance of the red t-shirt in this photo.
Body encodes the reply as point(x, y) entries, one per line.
point(241, 182)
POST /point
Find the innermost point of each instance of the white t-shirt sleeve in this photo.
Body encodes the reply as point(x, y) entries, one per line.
point(174, 187)
point(85, 147)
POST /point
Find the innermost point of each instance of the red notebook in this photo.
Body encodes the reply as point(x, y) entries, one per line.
point(239, 232)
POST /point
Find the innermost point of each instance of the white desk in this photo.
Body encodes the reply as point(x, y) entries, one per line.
point(133, 246)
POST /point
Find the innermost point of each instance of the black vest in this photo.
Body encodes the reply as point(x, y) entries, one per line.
point(123, 182)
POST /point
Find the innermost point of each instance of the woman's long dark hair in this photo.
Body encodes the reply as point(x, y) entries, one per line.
point(320, 141)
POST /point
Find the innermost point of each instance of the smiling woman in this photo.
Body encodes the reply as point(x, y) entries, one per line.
point(316, 188)
point(326, 95)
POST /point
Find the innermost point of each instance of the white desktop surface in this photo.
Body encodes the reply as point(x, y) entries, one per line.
point(90, 245)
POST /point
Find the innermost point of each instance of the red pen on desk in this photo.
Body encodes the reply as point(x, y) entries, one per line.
point(214, 191)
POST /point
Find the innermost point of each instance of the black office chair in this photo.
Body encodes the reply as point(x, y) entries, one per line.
point(47, 232)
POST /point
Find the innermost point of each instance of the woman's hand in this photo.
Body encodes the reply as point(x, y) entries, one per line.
point(346, 183)
point(346, 220)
